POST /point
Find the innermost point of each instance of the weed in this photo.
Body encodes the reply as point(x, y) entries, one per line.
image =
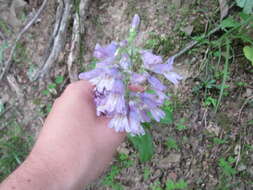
point(110, 179)
point(146, 174)
point(159, 44)
point(180, 126)
point(171, 185)
point(210, 101)
point(226, 166)
point(219, 141)
point(20, 55)
point(52, 87)
point(14, 147)
point(172, 144)
point(156, 186)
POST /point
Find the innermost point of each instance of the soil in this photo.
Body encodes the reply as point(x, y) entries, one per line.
point(197, 160)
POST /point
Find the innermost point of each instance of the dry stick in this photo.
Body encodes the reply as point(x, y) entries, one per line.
point(2, 36)
point(75, 48)
point(193, 43)
point(78, 29)
point(8, 63)
point(58, 38)
point(244, 104)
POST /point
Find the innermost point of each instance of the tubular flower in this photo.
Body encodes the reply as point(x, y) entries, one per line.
point(121, 65)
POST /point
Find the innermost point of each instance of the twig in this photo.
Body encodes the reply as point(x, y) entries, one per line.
point(78, 27)
point(244, 104)
point(58, 38)
point(2, 36)
point(8, 63)
point(225, 75)
point(194, 43)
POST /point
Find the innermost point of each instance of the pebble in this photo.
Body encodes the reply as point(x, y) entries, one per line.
point(171, 158)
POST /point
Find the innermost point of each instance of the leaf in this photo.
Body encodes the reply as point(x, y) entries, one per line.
point(247, 5)
point(144, 145)
point(59, 79)
point(229, 23)
point(168, 109)
point(1, 106)
point(248, 52)
point(223, 8)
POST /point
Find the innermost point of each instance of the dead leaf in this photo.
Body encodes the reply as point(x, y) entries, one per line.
point(223, 8)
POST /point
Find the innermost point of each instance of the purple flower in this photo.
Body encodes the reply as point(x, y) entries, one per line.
point(125, 62)
point(112, 104)
point(156, 84)
point(105, 52)
point(90, 74)
point(135, 22)
point(135, 124)
point(150, 59)
point(173, 77)
point(120, 123)
point(166, 70)
point(157, 113)
point(120, 66)
point(138, 78)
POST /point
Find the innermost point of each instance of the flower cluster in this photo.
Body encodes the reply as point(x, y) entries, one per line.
point(121, 66)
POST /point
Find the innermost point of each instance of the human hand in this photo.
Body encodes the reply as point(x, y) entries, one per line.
point(74, 146)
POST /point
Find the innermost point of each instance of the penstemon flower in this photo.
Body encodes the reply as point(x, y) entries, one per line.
point(121, 65)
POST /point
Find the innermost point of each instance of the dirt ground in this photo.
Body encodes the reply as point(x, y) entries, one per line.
point(196, 161)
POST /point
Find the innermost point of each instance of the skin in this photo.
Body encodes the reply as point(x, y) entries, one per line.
point(73, 148)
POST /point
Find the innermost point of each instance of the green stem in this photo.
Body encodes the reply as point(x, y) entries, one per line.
point(225, 74)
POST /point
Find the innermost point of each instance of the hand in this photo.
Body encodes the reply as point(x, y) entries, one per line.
point(74, 146)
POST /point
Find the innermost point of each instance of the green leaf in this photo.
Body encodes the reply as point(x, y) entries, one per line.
point(1, 106)
point(45, 92)
point(181, 184)
point(248, 52)
point(168, 109)
point(247, 5)
point(144, 145)
point(59, 79)
point(51, 86)
point(170, 185)
point(229, 23)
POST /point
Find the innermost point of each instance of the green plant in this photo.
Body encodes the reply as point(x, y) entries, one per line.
point(171, 185)
point(226, 166)
point(168, 109)
point(15, 144)
point(210, 102)
point(172, 144)
point(160, 44)
point(247, 5)
point(180, 126)
point(52, 87)
point(110, 179)
point(219, 141)
point(144, 145)
point(156, 186)
point(146, 173)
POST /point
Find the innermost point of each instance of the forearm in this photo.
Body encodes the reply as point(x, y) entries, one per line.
point(32, 175)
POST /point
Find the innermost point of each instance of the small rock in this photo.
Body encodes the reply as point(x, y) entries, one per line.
point(188, 29)
point(156, 174)
point(171, 158)
point(241, 167)
point(213, 128)
point(250, 170)
point(123, 150)
point(249, 92)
